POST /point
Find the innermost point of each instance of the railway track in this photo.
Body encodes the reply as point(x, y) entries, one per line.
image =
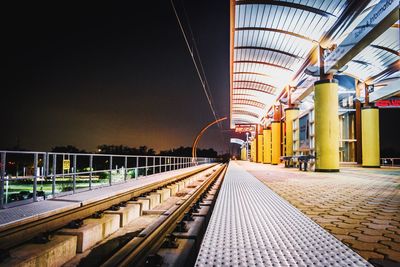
point(19, 232)
point(142, 250)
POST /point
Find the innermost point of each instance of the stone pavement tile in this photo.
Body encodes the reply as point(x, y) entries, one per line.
point(390, 253)
point(396, 230)
point(369, 238)
point(394, 237)
point(358, 217)
point(377, 226)
point(325, 220)
point(369, 231)
point(345, 237)
point(347, 225)
point(353, 221)
point(391, 244)
point(339, 231)
point(359, 245)
point(370, 255)
point(379, 221)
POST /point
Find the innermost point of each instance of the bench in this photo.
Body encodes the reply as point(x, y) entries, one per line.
point(303, 160)
point(288, 160)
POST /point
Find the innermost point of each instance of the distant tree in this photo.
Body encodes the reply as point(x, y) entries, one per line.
point(187, 152)
point(125, 150)
point(67, 149)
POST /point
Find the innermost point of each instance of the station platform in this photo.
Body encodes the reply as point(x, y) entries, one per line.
point(17, 215)
point(276, 216)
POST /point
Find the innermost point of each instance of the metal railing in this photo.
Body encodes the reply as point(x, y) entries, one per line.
point(393, 162)
point(28, 176)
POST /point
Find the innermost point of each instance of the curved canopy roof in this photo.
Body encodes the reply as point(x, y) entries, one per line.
point(273, 41)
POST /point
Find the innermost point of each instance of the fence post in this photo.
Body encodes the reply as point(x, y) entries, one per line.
point(110, 182)
point(154, 165)
point(137, 167)
point(125, 167)
point(146, 166)
point(53, 178)
point(91, 171)
point(35, 169)
point(3, 174)
point(74, 176)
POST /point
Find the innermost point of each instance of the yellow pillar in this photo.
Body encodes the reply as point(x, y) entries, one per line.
point(260, 148)
point(253, 151)
point(290, 114)
point(370, 137)
point(276, 142)
point(243, 153)
point(267, 146)
point(326, 126)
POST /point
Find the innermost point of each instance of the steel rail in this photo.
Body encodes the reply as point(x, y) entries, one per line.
point(19, 232)
point(136, 251)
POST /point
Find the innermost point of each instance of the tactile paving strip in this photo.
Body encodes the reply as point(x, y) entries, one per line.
point(253, 226)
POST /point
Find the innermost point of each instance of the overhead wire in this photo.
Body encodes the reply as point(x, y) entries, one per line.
point(200, 71)
point(193, 55)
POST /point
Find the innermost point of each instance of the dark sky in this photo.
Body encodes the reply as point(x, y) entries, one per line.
point(112, 74)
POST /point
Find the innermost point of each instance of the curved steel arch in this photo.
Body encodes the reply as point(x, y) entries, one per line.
point(275, 30)
point(252, 73)
point(249, 102)
point(260, 83)
point(387, 49)
point(244, 112)
point(262, 63)
point(287, 4)
point(252, 89)
point(267, 49)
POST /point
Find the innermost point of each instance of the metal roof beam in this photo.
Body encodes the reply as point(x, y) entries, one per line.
point(250, 102)
point(242, 112)
point(286, 4)
point(252, 73)
point(387, 49)
point(263, 63)
point(275, 30)
point(260, 83)
point(267, 49)
point(252, 89)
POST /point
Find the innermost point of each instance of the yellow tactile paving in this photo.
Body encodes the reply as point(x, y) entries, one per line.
point(360, 207)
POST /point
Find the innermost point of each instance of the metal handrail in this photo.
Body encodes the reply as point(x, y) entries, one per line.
point(391, 162)
point(49, 168)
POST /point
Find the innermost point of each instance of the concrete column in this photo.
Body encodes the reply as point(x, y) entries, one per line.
point(326, 126)
point(253, 149)
point(267, 146)
point(243, 153)
point(370, 137)
point(276, 142)
point(290, 114)
point(260, 148)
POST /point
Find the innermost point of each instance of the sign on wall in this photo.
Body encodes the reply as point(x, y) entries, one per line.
point(243, 128)
point(393, 102)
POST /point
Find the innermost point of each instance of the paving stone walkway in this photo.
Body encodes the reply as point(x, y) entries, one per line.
point(360, 207)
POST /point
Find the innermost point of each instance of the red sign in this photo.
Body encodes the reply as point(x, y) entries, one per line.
point(243, 128)
point(388, 103)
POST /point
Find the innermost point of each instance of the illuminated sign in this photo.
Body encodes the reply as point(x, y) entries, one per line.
point(242, 128)
point(388, 103)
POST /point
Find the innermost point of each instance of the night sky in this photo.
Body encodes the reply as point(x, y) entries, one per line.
point(117, 74)
point(113, 74)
